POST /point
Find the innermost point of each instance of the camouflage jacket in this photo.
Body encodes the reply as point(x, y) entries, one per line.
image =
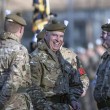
point(73, 59)
point(53, 75)
point(14, 74)
point(102, 88)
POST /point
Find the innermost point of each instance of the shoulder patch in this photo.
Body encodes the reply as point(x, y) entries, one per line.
point(81, 71)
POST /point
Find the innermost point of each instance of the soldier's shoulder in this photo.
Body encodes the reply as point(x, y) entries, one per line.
point(23, 48)
point(67, 52)
point(19, 48)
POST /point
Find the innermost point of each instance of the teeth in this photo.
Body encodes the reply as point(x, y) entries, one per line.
point(57, 43)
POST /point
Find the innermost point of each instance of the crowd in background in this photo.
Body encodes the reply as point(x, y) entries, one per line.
point(90, 58)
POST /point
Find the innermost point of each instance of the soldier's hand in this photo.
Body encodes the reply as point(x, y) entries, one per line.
point(1, 106)
point(75, 105)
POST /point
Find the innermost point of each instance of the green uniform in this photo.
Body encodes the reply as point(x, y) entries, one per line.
point(58, 83)
point(102, 87)
point(72, 58)
point(14, 74)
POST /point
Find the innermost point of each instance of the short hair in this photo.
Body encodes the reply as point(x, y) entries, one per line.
point(12, 27)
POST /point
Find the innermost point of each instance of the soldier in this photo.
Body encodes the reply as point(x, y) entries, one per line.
point(73, 59)
point(14, 66)
point(102, 87)
point(59, 85)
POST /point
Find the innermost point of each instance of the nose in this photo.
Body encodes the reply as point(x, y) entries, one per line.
point(58, 38)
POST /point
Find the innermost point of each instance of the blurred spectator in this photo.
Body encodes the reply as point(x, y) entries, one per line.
point(99, 48)
point(81, 52)
point(88, 61)
point(93, 58)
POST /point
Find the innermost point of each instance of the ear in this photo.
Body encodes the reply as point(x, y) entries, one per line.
point(21, 29)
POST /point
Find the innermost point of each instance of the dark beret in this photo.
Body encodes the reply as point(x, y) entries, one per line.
point(106, 27)
point(16, 18)
point(54, 25)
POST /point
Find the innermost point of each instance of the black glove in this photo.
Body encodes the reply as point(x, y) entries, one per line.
point(1, 106)
point(75, 105)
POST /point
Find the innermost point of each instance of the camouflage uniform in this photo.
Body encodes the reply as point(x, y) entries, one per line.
point(14, 73)
point(58, 83)
point(102, 88)
point(72, 58)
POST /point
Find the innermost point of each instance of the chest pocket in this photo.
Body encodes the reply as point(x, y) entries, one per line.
point(50, 65)
point(51, 72)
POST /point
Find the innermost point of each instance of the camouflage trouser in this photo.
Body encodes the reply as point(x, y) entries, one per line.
point(106, 108)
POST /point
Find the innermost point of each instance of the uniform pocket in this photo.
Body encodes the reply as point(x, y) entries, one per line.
point(51, 73)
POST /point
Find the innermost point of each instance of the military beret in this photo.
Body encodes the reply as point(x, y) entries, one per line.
point(16, 18)
point(54, 25)
point(106, 27)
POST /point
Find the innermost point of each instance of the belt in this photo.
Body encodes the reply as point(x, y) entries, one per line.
point(103, 104)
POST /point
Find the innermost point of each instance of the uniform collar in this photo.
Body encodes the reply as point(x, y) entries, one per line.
point(10, 35)
point(106, 54)
point(43, 46)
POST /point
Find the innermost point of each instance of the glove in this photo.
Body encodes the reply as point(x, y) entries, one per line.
point(75, 105)
point(1, 106)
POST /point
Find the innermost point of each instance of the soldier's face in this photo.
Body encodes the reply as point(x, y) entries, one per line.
point(105, 36)
point(55, 40)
